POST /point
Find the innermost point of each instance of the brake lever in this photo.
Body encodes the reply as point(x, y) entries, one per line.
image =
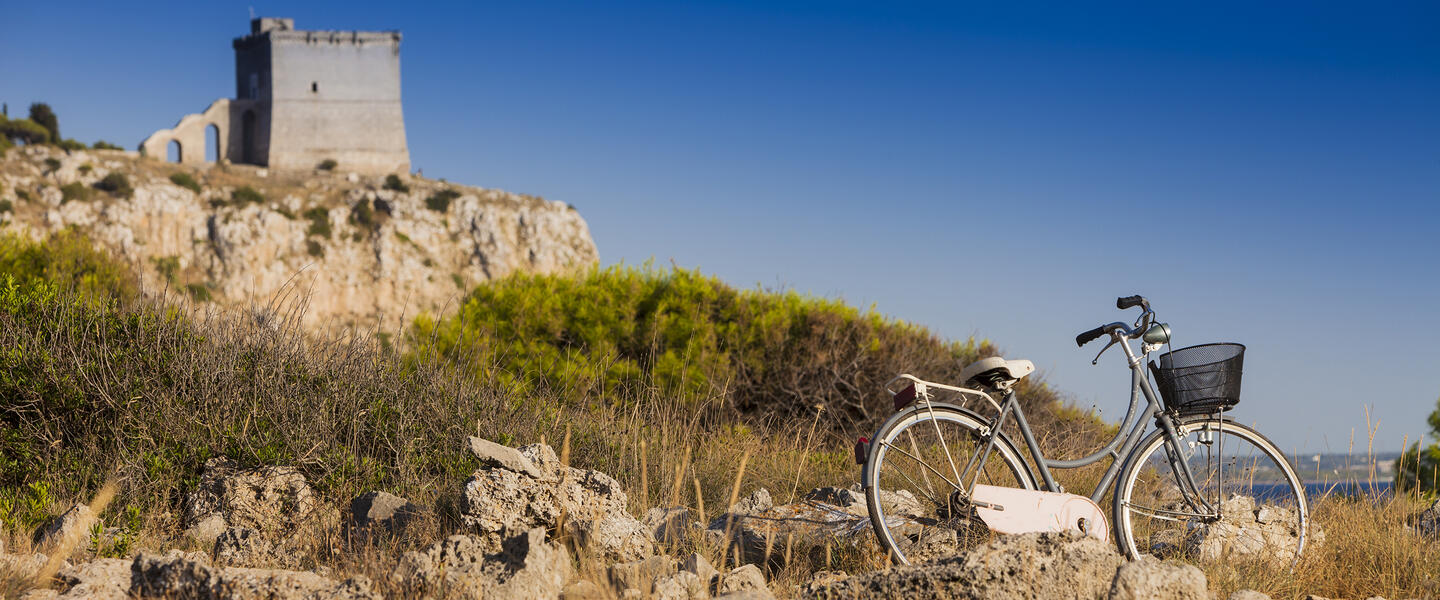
point(1102, 351)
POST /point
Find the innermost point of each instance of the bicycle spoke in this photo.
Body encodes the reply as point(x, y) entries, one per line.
point(922, 463)
point(911, 437)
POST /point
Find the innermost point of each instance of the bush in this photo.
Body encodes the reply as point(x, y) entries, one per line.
point(104, 145)
point(41, 114)
point(74, 191)
point(392, 182)
point(319, 221)
point(117, 184)
point(1418, 468)
point(440, 201)
point(768, 355)
point(328, 164)
point(168, 267)
point(52, 165)
point(6, 206)
point(362, 215)
point(24, 131)
point(85, 169)
point(186, 181)
point(198, 292)
point(245, 195)
point(70, 145)
point(68, 260)
point(315, 248)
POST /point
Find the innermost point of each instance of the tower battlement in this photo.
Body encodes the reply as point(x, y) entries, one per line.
point(304, 97)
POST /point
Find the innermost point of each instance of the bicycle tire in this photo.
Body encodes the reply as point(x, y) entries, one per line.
point(1258, 528)
point(962, 434)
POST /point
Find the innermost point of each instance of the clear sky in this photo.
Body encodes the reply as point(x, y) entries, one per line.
point(1265, 172)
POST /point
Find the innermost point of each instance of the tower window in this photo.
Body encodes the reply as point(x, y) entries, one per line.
point(314, 87)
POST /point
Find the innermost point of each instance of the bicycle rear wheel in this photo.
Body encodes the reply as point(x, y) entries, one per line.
point(917, 470)
point(1247, 503)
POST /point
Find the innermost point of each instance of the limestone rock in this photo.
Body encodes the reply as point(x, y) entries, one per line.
point(762, 532)
point(505, 457)
point(1151, 579)
point(1248, 595)
point(500, 502)
point(699, 566)
point(22, 566)
point(641, 574)
point(101, 579)
point(380, 511)
point(242, 546)
point(526, 567)
point(1065, 565)
point(74, 523)
point(746, 579)
point(413, 258)
point(176, 576)
point(271, 500)
point(1427, 522)
point(1248, 531)
point(668, 526)
point(683, 585)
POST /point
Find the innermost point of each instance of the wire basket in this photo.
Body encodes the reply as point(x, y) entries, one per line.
point(1200, 379)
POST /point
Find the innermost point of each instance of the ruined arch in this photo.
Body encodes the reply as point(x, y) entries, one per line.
point(174, 152)
point(214, 152)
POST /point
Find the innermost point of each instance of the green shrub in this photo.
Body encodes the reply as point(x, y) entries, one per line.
point(41, 114)
point(68, 260)
point(198, 292)
point(24, 131)
point(74, 191)
point(621, 329)
point(23, 195)
point(85, 169)
point(392, 182)
point(52, 165)
point(459, 281)
point(315, 248)
point(104, 145)
point(117, 184)
point(440, 201)
point(328, 164)
point(319, 221)
point(70, 145)
point(1418, 468)
point(362, 215)
point(186, 181)
point(168, 267)
point(6, 206)
point(245, 195)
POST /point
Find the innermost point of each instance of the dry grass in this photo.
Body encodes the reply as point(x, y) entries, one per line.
point(138, 393)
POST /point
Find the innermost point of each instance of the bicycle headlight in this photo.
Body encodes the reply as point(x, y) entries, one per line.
point(1158, 333)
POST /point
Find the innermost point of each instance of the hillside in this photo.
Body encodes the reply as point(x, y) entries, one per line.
point(360, 249)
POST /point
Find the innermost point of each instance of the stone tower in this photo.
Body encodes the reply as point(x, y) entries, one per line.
point(301, 98)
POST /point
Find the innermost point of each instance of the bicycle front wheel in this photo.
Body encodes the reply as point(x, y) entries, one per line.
point(1246, 502)
point(919, 474)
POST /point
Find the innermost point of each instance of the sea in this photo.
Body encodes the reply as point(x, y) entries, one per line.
point(1319, 489)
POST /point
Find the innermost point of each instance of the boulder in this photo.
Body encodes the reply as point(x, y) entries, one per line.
point(500, 502)
point(1150, 579)
point(1030, 566)
point(242, 546)
point(682, 585)
point(176, 575)
point(746, 579)
point(1248, 595)
point(525, 567)
point(700, 567)
point(74, 522)
point(1427, 522)
point(761, 532)
point(494, 455)
point(100, 579)
point(668, 526)
point(641, 574)
point(23, 566)
point(375, 512)
point(1245, 530)
point(271, 500)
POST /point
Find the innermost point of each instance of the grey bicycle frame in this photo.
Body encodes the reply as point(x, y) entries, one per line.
point(1120, 446)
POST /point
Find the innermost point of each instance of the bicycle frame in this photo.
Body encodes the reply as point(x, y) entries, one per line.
point(1119, 448)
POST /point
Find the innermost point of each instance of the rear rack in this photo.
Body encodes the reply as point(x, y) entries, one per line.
point(919, 388)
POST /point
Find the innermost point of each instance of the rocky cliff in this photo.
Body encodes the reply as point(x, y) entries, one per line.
point(359, 248)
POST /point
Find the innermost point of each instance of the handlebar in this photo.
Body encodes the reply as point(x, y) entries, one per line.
point(1120, 303)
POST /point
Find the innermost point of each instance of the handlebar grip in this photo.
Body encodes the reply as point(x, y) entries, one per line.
point(1129, 301)
point(1089, 336)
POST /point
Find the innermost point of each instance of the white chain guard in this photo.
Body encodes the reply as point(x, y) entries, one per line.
point(1027, 511)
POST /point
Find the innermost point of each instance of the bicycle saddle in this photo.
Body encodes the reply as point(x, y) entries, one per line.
point(987, 370)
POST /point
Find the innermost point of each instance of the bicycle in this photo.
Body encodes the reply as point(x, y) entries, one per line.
point(1171, 497)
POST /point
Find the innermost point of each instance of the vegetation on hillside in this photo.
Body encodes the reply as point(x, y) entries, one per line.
point(1418, 467)
point(772, 355)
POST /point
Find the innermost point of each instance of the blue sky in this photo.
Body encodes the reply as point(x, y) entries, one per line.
point(1267, 173)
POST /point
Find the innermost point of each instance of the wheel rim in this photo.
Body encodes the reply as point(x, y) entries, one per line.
point(1262, 513)
point(912, 488)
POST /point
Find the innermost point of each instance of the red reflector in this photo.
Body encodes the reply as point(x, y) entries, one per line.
point(904, 397)
point(862, 450)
